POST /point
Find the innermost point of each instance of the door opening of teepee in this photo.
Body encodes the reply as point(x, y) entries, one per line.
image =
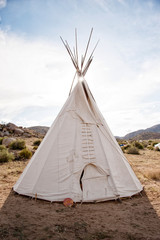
point(80, 181)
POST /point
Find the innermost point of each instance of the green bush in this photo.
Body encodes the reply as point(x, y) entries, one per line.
point(2, 147)
point(1, 139)
point(154, 143)
point(145, 144)
point(133, 150)
point(123, 149)
point(37, 142)
point(150, 147)
point(35, 147)
point(25, 153)
point(5, 156)
point(18, 144)
point(126, 146)
point(121, 141)
point(138, 145)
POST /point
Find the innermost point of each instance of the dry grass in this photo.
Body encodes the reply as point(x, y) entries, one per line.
point(153, 174)
point(133, 150)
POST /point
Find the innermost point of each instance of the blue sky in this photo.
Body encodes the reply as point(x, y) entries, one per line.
point(36, 73)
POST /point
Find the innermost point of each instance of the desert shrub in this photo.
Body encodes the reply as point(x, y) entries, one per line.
point(18, 144)
point(1, 139)
point(35, 147)
point(2, 147)
point(37, 142)
point(133, 150)
point(5, 156)
point(138, 145)
point(153, 174)
point(25, 153)
point(127, 146)
point(150, 147)
point(123, 150)
point(145, 144)
point(120, 141)
point(154, 143)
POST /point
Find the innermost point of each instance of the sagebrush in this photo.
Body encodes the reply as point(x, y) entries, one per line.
point(37, 142)
point(18, 145)
point(25, 153)
point(5, 156)
point(1, 139)
point(2, 147)
point(133, 150)
point(138, 145)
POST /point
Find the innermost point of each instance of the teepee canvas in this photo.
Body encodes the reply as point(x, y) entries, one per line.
point(79, 158)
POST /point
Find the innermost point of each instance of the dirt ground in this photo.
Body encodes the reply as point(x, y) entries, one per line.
point(23, 218)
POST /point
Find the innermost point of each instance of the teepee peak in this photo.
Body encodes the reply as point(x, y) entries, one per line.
point(82, 65)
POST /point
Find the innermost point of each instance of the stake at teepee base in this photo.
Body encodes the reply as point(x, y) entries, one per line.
point(79, 158)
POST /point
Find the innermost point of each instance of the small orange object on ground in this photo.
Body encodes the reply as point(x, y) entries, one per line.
point(68, 202)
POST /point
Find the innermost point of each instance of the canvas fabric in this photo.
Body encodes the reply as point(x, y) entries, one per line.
point(79, 141)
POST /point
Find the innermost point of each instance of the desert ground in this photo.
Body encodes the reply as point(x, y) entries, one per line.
point(24, 218)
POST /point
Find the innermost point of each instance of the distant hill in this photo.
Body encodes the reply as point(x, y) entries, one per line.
point(40, 129)
point(147, 136)
point(12, 130)
point(144, 134)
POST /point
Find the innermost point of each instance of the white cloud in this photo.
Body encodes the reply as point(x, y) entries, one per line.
point(126, 96)
point(36, 76)
point(3, 3)
point(31, 73)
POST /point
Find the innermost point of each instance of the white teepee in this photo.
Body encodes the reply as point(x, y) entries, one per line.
point(79, 158)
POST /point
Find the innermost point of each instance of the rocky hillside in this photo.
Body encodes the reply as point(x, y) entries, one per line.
point(10, 130)
point(144, 134)
point(147, 136)
point(40, 129)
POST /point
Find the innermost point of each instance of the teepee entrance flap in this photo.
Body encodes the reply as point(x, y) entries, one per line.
point(92, 179)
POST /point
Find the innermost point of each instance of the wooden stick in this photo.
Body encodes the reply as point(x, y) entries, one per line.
point(93, 50)
point(70, 54)
point(87, 48)
point(74, 53)
point(74, 56)
point(81, 62)
point(76, 46)
point(72, 83)
point(90, 59)
point(86, 67)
